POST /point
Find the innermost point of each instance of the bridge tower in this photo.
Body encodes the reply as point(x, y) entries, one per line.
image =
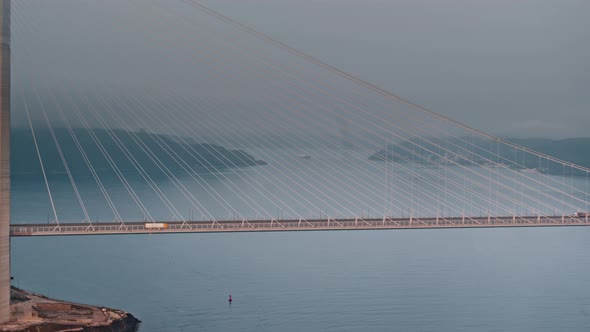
point(4, 161)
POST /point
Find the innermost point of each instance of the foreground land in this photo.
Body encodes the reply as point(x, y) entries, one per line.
point(33, 312)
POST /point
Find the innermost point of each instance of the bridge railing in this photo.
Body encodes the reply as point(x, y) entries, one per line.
point(455, 222)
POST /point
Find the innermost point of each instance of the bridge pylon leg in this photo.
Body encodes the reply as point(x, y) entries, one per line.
point(4, 161)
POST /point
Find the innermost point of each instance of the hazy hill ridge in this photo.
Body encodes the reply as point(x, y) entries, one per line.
point(200, 157)
point(574, 150)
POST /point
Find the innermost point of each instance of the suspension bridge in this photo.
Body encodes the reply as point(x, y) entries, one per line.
point(264, 138)
point(301, 224)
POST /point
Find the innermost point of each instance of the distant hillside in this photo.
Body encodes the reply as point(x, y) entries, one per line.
point(574, 150)
point(200, 157)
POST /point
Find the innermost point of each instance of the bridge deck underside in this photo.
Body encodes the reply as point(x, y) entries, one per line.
point(291, 225)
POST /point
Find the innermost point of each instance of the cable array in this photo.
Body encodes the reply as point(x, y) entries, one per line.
point(165, 142)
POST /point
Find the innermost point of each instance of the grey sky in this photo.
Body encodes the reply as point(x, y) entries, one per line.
point(510, 67)
point(513, 68)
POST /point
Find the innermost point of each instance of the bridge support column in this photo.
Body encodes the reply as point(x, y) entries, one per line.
point(4, 160)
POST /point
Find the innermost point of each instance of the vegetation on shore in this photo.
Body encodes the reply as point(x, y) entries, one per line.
point(471, 151)
point(155, 154)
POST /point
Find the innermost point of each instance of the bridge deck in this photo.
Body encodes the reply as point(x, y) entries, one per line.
point(291, 225)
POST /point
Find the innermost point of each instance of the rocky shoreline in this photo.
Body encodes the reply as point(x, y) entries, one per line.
point(32, 312)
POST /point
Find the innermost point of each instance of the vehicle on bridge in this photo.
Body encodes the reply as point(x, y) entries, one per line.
point(581, 214)
point(156, 225)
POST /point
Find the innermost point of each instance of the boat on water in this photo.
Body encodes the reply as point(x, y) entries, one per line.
point(305, 156)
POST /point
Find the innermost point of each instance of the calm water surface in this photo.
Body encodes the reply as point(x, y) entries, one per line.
point(410, 280)
point(405, 280)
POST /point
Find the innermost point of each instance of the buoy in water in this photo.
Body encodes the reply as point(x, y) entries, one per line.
point(230, 298)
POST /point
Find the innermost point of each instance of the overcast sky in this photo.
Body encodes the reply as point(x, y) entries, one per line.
point(512, 67)
point(509, 67)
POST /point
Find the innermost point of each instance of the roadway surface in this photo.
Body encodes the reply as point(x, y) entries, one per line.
point(291, 225)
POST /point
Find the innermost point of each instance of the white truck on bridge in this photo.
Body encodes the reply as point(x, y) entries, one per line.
point(156, 225)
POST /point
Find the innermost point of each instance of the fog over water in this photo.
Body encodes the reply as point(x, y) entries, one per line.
point(173, 68)
point(511, 68)
point(514, 68)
